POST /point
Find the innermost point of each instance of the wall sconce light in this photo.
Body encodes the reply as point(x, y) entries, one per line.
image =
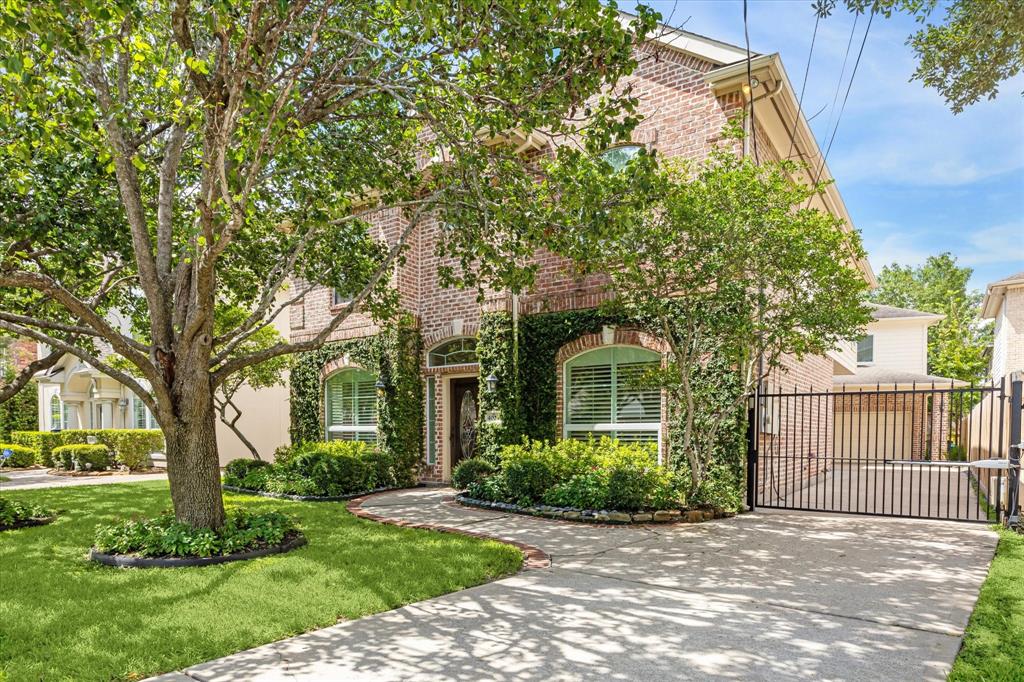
point(492, 383)
point(380, 387)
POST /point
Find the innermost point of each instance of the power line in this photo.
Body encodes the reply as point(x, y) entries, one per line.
point(803, 88)
point(842, 72)
point(846, 96)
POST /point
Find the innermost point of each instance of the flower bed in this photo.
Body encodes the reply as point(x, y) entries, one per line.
point(318, 471)
point(601, 481)
point(164, 541)
point(19, 515)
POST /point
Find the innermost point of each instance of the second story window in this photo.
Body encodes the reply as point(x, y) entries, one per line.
point(866, 350)
point(338, 298)
point(618, 157)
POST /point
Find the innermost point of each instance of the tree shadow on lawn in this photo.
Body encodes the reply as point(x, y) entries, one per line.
point(66, 617)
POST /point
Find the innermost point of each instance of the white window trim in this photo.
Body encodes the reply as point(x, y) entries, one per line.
point(567, 427)
point(347, 428)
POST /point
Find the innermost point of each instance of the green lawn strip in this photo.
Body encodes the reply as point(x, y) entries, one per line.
point(66, 618)
point(993, 648)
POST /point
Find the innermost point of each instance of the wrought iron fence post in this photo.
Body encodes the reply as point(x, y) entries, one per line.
point(752, 415)
point(1013, 475)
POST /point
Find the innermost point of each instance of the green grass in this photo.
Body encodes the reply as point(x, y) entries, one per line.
point(63, 617)
point(993, 648)
point(5, 478)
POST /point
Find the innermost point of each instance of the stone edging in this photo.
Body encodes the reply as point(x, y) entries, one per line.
point(595, 516)
point(30, 522)
point(307, 498)
point(535, 557)
point(129, 561)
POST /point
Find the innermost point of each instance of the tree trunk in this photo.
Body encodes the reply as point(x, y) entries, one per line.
point(193, 466)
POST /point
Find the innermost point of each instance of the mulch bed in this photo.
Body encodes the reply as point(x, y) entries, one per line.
point(309, 498)
point(294, 541)
point(597, 515)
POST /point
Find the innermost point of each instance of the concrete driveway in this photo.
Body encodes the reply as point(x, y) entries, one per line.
point(765, 596)
point(24, 479)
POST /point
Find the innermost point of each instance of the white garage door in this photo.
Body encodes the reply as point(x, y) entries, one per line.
point(872, 435)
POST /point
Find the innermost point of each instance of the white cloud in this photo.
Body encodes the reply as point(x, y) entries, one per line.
point(996, 244)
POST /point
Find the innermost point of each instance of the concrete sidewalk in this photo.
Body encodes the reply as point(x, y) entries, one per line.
point(26, 479)
point(767, 596)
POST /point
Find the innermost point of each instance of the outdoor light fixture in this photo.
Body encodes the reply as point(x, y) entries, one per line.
point(492, 383)
point(380, 387)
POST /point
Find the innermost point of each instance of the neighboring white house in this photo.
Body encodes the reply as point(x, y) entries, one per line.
point(1004, 303)
point(894, 348)
point(75, 395)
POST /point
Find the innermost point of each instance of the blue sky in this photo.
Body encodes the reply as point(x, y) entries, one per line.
point(916, 179)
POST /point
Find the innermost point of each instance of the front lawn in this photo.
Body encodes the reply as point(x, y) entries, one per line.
point(993, 648)
point(64, 617)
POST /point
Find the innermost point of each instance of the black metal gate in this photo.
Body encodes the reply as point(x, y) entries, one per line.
point(919, 451)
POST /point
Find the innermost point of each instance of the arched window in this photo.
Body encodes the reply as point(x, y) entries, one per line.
point(603, 398)
point(350, 406)
point(618, 157)
point(460, 351)
point(56, 413)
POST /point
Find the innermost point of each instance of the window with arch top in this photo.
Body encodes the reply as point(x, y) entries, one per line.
point(603, 396)
point(350, 406)
point(460, 351)
point(618, 157)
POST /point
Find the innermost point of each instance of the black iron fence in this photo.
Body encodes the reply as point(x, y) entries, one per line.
point(923, 451)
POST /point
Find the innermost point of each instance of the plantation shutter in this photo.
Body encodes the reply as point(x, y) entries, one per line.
point(351, 406)
point(603, 396)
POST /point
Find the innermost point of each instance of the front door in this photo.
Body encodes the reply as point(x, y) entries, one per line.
point(462, 419)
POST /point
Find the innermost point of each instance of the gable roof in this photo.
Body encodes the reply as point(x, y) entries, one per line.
point(990, 304)
point(715, 51)
point(891, 312)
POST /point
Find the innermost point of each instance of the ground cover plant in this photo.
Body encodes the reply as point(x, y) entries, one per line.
point(14, 514)
point(320, 470)
point(66, 617)
point(993, 646)
point(162, 536)
point(592, 474)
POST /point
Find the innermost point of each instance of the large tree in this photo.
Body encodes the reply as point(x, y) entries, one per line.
point(965, 56)
point(958, 345)
point(726, 261)
point(162, 159)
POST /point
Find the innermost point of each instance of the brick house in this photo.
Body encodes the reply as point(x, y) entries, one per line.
point(688, 87)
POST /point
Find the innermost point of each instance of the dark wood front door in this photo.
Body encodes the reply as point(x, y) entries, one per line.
point(463, 414)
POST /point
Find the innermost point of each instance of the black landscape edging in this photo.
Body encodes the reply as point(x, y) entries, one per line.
point(28, 523)
point(311, 498)
point(596, 516)
point(131, 561)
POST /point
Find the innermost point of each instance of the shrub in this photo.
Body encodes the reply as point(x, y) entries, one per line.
point(14, 514)
point(237, 469)
point(493, 489)
point(588, 490)
point(470, 471)
point(382, 469)
point(283, 482)
point(720, 489)
point(284, 453)
point(527, 479)
point(636, 482)
point(131, 447)
point(21, 456)
point(163, 536)
point(82, 457)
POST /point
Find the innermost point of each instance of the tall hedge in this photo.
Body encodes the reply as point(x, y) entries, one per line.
point(394, 354)
point(21, 412)
point(501, 420)
point(131, 447)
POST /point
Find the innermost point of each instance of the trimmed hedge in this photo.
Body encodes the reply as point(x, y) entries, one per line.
point(604, 474)
point(130, 447)
point(21, 456)
point(82, 457)
point(329, 469)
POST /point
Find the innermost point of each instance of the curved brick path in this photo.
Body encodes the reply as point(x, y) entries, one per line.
point(767, 596)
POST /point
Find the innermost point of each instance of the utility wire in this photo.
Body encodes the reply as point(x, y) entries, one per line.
point(846, 96)
point(803, 88)
point(842, 72)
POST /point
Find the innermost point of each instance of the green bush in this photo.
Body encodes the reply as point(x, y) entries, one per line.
point(470, 471)
point(333, 471)
point(720, 489)
point(591, 474)
point(13, 514)
point(166, 537)
point(588, 490)
point(82, 457)
point(21, 456)
point(130, 447)
point(237, 469)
